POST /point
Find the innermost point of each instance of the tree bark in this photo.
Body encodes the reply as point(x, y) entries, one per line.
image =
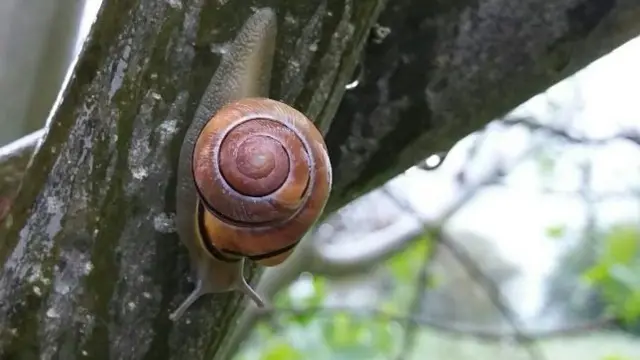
point(446, 68)
point(92, 266)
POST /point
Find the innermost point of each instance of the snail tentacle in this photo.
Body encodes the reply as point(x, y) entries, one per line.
point(248, 291)
point(193, 296)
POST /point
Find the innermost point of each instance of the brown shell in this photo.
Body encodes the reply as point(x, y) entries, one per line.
point(262, 171)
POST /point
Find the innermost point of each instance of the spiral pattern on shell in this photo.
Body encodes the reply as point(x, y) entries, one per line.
point(254, 162)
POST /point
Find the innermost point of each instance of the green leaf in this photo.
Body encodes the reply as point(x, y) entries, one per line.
point(622, 244)
point(631, 307)
point(341, 332)
point(320, 291)
point(282, 351)
point(596, 274)
point(615, 357)
point(556, 231)
point(546, 163)
point(616, 271)
point(406, 265)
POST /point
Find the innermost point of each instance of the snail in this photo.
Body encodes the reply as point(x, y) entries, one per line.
point(253, 173)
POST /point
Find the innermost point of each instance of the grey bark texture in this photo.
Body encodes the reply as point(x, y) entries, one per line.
point(91, 263)
point(436, 71)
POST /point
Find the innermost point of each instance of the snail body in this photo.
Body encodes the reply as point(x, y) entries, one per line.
point(253, 174)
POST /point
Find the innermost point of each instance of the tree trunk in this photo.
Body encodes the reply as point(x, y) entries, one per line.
point(92, 266)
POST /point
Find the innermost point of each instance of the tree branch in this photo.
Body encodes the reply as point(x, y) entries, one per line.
point(459, 330)
point(476, 60)
point(631, 135)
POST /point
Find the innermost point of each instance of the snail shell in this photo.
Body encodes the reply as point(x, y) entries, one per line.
point(263, 175)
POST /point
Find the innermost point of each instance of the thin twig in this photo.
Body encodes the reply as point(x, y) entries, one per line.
point(472, 269)
point(461, 330)
point(492, 291)
point(411, 327)
point(533, 125)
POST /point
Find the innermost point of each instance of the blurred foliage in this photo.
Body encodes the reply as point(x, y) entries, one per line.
point(556, 231)
point(305, 327)
point(616, 272)
point(546, 161)
point(309, 324)
point(616, 357)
